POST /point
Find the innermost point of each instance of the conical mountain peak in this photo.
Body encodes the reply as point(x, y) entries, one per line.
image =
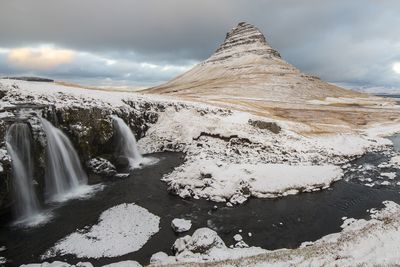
point(244, 39)
point(245, 66)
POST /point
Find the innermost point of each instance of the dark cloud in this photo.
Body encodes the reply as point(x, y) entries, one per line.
point(341, 41)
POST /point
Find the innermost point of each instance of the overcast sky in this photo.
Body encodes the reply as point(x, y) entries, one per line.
point(141, 43)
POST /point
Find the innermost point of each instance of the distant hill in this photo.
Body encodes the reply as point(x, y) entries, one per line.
point(29, 79)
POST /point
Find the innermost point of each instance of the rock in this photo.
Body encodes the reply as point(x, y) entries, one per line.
point(241, 244)
point(238, 199)
point(237, 237)
point(121, 175)
point(101, 167)
point(271, 126)
point(124, 264)
point(121, 162)
point(181, 225)
point(202, 241)
point(158, 257)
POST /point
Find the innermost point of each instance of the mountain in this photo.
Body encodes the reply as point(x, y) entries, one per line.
point(245, 66)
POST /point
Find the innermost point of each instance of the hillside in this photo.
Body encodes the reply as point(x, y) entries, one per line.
point(247, 74)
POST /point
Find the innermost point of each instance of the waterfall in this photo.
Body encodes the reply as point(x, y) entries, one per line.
point(18, 142)
point(64, 173)
point(127, 145)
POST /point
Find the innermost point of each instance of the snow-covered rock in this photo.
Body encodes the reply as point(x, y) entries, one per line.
point(121, 229)
point(124, 264)
point(389, 175)
point(101, 166)
point(202, 241)
point(236, 182)
point(158, 257)
point(237, 237)
point(181, 225)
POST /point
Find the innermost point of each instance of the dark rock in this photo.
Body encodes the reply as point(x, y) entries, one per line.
point(101, 167)
point(271, 126)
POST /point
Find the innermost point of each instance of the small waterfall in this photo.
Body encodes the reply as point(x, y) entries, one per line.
point(127, 145)
point(64, 173)
point(18, 142)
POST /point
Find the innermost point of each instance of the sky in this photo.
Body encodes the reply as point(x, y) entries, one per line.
point(142, 43)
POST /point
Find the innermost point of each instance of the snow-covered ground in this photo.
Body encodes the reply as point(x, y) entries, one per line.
point(121, 229)
point(228, 158)
point(218, 140)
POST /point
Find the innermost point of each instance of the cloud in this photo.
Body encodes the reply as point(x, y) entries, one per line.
point(396, 67)
point(342, 41)
point(42, 58)
point(86, 67)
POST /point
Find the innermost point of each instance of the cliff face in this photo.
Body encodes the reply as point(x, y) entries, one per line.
point(246, 66)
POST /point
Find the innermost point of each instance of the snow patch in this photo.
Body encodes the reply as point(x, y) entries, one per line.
point(235, 182)
point(181, 225)
point(121, 229)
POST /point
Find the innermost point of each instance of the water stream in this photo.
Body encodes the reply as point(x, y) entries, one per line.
point(127, 146)
point(65, 177)
point(19, 146)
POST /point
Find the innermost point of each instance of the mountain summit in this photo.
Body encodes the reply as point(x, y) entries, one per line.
point(246, 66)
point(244, 39)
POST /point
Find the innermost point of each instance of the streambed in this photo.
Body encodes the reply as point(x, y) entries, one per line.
point(273, 223)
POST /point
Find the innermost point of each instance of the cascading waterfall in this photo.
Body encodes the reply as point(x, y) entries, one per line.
point(64, 173)
point(127, 145)
point(19, 144)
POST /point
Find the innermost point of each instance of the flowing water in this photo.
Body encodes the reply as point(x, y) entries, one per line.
point(274, 223)
point(126, 144)
point(19, 146)
point(65, 177)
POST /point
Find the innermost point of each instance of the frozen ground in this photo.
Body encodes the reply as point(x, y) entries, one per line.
point(220, 139)
point(227, 150)
point(122, 229)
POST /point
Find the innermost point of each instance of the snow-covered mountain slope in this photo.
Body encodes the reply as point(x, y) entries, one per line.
point(246, 74)
point(245, 65)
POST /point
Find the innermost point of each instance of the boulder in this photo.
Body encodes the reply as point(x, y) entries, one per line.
point(181, 225)
point(202, 241)
point(101, 167)
point(158, 257)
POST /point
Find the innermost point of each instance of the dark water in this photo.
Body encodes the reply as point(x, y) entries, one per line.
point(274, 223)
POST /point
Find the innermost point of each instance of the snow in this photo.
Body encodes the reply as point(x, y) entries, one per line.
point(158, 257)
point(389, 175)
point(218, 135)
point(121, 229)
point(82, 264)
point(57, 264)
point(224, 182)
point(181, 225)
point(237, 237)
point(124, 264)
